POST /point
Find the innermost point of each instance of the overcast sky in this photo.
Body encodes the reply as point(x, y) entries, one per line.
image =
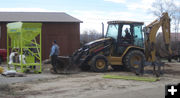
point(91, 12)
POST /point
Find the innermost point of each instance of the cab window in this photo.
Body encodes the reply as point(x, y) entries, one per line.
point(112, 31)
point(138, 36)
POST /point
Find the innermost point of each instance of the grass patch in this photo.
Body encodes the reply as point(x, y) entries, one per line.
point(137, 78)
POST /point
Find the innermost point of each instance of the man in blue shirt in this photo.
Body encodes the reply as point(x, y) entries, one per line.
point(53, 54)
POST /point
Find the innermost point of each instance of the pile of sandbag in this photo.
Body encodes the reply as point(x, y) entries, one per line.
point(11, 73)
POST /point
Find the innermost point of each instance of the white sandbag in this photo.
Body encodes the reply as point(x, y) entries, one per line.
point(9, 72)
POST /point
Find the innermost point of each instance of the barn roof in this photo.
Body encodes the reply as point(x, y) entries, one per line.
point(37, 17)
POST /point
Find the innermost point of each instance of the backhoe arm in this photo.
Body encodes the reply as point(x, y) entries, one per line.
point(166, 34)
point(150, 36)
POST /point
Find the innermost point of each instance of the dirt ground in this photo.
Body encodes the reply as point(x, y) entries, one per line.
point(93, 85)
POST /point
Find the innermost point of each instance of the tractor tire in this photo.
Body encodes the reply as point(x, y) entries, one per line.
point(131, 58)
point(99, 63)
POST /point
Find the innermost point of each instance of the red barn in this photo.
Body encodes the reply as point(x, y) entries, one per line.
point(61, 27)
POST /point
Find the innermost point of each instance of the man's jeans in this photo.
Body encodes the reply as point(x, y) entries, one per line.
point(53, 62)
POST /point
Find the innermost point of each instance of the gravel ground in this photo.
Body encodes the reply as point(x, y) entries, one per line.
point(87, 85)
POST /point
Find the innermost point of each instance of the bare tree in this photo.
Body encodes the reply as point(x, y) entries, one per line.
point(160, 6)
point(89, 35)
point(176, 19)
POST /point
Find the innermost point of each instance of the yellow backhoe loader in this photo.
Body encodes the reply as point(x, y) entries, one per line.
point(126, 44)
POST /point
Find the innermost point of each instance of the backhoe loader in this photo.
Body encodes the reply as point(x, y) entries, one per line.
point(116, 49)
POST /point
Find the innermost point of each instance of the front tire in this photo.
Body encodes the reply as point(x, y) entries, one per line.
point(99, 63)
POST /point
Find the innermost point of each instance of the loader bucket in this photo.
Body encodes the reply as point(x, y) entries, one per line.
point(66, 66)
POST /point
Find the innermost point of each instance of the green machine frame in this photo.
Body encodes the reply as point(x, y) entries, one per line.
point(25, 40)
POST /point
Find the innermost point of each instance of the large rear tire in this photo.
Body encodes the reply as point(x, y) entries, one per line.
point(99, 63)
point(132, 58)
